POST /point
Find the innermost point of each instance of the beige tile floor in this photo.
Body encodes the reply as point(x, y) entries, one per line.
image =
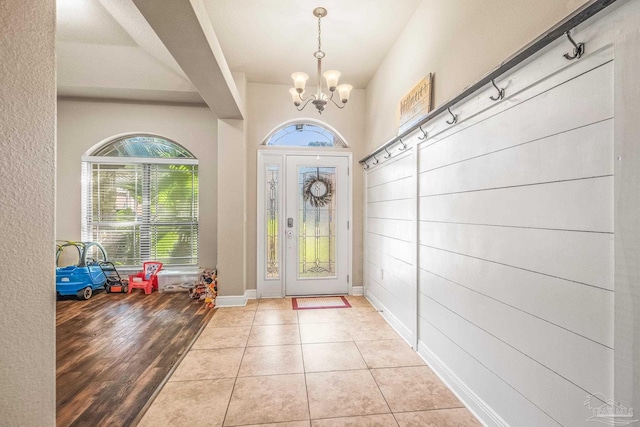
point(269, 365)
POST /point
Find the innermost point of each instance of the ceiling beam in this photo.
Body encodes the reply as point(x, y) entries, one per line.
point(186, 31)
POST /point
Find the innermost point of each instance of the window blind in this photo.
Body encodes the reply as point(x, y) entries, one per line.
point(142, 212)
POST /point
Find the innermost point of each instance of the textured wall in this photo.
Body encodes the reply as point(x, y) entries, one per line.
point(27, 170)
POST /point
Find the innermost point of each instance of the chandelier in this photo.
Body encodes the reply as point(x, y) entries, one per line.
point(319, 99)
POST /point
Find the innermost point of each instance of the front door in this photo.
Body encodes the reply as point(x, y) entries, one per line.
point(316, 240)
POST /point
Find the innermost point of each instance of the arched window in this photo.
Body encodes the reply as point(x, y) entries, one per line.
point(140, 201)
point(304, 134)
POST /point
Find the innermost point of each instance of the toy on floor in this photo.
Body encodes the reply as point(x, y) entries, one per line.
point(211, 293)
point(147, 279)
point(84, 275)
point(115, 283)
point(207, 287)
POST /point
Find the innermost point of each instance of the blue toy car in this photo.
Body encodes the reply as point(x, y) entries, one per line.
point(85, 276)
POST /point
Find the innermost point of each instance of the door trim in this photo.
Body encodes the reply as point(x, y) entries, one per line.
point(275, 288)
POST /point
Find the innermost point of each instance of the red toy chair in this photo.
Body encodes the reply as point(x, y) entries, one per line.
point(147, 279)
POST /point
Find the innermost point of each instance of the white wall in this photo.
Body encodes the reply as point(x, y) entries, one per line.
point(85, 123)
point(268, 106)
point(516, 297)
point(459, 41)
point(27, 212)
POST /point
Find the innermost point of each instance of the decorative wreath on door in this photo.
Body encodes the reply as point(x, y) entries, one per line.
point(317, 190)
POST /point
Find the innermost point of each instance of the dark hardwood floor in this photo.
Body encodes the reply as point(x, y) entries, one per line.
point(114, 350)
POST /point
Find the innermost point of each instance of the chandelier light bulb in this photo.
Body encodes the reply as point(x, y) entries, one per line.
point(295, 96)
point(332, 77)
point(299, 81)
point(344, 90)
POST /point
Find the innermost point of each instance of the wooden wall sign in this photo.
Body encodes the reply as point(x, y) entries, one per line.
point(416, 104)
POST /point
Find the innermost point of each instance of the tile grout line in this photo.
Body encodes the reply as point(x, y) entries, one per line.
point(369, 369)
point(226, 412)
point(304, 369)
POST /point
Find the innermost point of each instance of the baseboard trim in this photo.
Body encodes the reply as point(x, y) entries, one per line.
point(482, 411)
point(357, 291)
point(236, 300)
point(392, 320)
point(231, 301)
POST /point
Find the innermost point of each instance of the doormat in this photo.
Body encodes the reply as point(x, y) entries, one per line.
point(314, 303)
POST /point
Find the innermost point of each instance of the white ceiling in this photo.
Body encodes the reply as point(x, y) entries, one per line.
point(106, 48)
point(270, 39)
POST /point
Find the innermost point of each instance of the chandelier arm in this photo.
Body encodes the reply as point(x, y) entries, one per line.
point(309, 99)
point(336, 104)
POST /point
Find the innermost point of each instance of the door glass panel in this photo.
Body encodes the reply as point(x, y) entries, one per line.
point(316, 233)
point(272, 190)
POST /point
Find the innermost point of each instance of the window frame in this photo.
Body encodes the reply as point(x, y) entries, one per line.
point(339, 141)
point(88, 161)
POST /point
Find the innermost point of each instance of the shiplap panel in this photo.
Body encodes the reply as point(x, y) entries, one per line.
point(393, 247)
point(580, 101)
point(390, 240)
point(392, 170)
point(496, 393)
point(392, 306)
point(580, 153)
point(394, 190)
point(401, 270)
point(559, 398)
point(584, 310)
point(581, 257)
point(395, 228)
point(534, 337)
point(394, 209)
point(397, 289)
point(391, 303)
point(558, 205)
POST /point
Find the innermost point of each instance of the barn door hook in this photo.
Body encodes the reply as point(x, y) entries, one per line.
point(425, 134)
point(404, 146)
point(578, 49)
point(375, 160)
point(500, 92)
point(366, 166)
point(388, 155)
point(455, 117)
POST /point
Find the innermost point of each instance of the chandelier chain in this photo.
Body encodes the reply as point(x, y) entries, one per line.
point(319, 34)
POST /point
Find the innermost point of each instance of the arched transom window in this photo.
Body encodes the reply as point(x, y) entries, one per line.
point(304, 134)
point(140, 201)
